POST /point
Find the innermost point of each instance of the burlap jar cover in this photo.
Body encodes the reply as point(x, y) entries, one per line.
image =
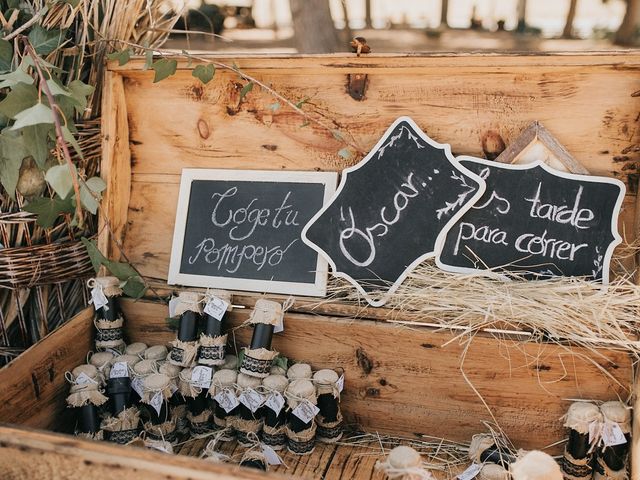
point(274, 432)
point(257, 362)
point(326, 381)
point(535, 465)
point(302, 442)
point(109, 334)
point(136, 348)
point(614, 413)
point(299, 371)
point(254, 458)
point(493, 471)
point(156, 352)
point(183, 354)
point(404, 463)
point(85, 387)
point(579, 416)
point(102, 361)
point(223, 380)
point(246, 423)
point(152, 385)
point(123, 428)
point(130, 360)
point(212, 348)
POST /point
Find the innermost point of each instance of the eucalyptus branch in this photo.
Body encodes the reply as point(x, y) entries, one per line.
point(39, 14)
point(58, 125)
point(249, 78)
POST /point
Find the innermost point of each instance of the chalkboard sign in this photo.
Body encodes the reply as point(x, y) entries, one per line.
point(241, 230)
point(537, 221)
point(392, 209)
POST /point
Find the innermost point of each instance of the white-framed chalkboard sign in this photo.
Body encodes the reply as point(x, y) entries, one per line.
point(240, 230)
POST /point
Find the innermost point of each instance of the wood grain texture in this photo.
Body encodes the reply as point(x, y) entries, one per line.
point(404, 381)
point(34, 389)
point(27, 454)
point(115, 168)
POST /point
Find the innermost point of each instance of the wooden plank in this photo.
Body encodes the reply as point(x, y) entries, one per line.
point(151, 218)
point(34, 389)
point(28, 454)
point(635, 424)
point(115, 167)
point(404, 381)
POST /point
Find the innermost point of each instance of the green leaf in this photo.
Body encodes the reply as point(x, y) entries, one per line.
point(122, 270)
point(134, 288)
point(14, 78)
point(345, 153)
point(90, 193)
point(246, 89)
point(35, 115)
point(173, 322)
point(6, 55)
point(204, 73)
point(274, 107)
point(122, 57)
point(45, 41)
point(36, 140)
point(302, 102)
point(59, 177)
point(164, 68)
point(97, 259)
point(19, 98)
point(148, 59)
point(282, 362)
point(57, 89)
point(189, 59)
point(240, 358)
point(12, 152)
point(49, 209)
point(69, 138)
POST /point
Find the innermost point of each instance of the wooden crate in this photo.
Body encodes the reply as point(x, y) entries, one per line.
point(399, 380)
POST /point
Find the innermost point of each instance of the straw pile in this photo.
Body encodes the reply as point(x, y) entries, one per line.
point(564, 310)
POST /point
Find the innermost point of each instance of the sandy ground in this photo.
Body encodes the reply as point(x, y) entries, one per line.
point(388, 41)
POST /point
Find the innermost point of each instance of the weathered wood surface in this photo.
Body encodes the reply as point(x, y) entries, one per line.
point(28, 454)
point(404, 381)
point(587, 101)
point(33, 388)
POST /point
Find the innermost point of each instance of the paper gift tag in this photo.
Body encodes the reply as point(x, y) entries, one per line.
point(306, 411)
point(98, 298)
point(136, 385)
point(279, 327)
point(612, 435)
point(119, 369)
point(201, 376)
point(173, 303)
point(594, 431)
point(216, 307)
point(227, 400)
point(83, 379)
point(270, 455)
point(156, 402)
point(251, 399)
point(341, 383)
point(275, 402)
point(471, 472)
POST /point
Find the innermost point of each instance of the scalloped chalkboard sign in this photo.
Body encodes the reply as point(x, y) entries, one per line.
point(537, 221)
point(392, 210)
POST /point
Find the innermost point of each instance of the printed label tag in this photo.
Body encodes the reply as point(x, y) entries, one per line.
point(216, 307)
point(471, 472)
point(98, 298)
point(201, 376)
point(275, 402)
point(279, 327)
point(270, 455)
point(83, 379)
point(156, 402)
point(136, 385)
point(612, 435)
point(251, 399)
point(306, 411)
point(227, 400)
point(340, 383)
point(119, 369)
point(173, 303)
